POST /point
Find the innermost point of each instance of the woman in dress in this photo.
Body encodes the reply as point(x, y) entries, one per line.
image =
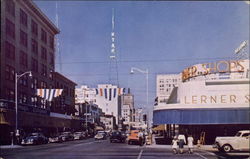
point(190, 140)
point(175, 145)
point(182, 141)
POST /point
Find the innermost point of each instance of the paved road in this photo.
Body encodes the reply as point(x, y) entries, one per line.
point(90, 149)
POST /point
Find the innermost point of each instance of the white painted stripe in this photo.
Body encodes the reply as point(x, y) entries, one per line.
point(139, 156)
point(200, 155)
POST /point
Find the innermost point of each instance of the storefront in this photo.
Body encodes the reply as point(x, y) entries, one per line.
point(211, 96)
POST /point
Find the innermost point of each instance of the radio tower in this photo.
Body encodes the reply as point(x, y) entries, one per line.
point(58, 53)
point(113, 67)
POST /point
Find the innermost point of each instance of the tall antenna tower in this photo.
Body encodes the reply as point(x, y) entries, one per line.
point(113, 66)
point(58, 53)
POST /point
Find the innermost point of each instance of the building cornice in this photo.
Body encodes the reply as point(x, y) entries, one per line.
point(40, 14)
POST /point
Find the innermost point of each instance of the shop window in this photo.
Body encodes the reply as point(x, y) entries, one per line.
point(10, 7)
point(9, 50)
point(10, 28)
point(23, 38)
point(23, 17)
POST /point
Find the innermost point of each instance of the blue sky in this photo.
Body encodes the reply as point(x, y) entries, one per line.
point(163, 37)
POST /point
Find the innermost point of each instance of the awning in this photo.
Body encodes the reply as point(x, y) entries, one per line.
point(159, 128)
point(202, 116)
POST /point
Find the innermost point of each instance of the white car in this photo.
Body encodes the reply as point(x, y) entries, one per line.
point(239, 142)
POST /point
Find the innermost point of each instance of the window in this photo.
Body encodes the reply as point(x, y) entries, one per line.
point(44, 70)
point(23, 17)
point(23, 38)
point(44, 53)
point(51, 42)
point(34, 27)
point(10, 94)
point(43, 36)
point(10, 28)
point(23, 59)
point(34, 46)
point(9, 50)
point(34, 100)
point(34, 65)
point(24, 80)
point(43, 84)
point(9, 73)
point(34, 83)
point(10, 7)
point(23, 98)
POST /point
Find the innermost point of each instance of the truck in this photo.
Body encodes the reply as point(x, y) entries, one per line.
point(239, 142)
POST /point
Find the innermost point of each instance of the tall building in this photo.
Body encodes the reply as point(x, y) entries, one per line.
point(27, 44)
point(105, 96)
point(127, 108)
point(165, 83)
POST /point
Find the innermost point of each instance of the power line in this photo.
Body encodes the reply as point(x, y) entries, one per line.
point(151, 60)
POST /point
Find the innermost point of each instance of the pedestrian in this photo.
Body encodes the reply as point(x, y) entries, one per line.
point(182, 141)
point(175, 145)
point(190, 140)
point(140, 135)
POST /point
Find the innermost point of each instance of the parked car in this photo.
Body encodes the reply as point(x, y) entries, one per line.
point(101, 135)
point(55, 139)
point(35, 139)
point(67, 136)
point(117, 137)
point(239, 142)
point(79, 135)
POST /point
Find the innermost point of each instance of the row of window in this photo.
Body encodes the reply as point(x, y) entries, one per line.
point(168, 80)
point(10, 53)
point(10, 26)
point(167, 85)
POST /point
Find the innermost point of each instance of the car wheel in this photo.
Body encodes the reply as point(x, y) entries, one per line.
point(227, 148)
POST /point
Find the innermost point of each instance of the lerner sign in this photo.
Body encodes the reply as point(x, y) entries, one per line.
point(215, 67)
point(216, 99)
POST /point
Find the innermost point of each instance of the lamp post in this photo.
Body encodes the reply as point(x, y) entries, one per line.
point(17, 77)
point(133, 69)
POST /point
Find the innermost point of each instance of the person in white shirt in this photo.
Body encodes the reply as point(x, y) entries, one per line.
point(190, 140)
point(175, 145)
point(182, 141)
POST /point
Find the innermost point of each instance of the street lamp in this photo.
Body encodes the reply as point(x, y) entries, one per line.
point(133, 69)
point(17, 77)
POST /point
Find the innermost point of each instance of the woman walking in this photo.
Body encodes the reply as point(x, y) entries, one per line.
point(190, 140)
point(182, 141)
point(175, 145)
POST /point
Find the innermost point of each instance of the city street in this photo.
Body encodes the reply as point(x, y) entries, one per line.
point(90, 149)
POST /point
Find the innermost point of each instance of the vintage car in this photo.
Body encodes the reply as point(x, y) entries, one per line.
point(117, 136)
point(55, 139)
point(79, 135)
point(134, 138)
point(101, 135)
point(67, 136)
point(239, 142)
point(35, 139)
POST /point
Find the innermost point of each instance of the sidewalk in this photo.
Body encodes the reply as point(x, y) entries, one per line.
point(10, 146)
point(202, 147)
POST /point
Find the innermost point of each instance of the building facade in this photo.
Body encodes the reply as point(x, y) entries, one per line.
point(165, 83)
point(27, 44)
point(105, 96)
point(211, 96)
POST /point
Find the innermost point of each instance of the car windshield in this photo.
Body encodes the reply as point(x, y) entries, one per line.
point(78, 133)
point(238, 134)
point(33, 134)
